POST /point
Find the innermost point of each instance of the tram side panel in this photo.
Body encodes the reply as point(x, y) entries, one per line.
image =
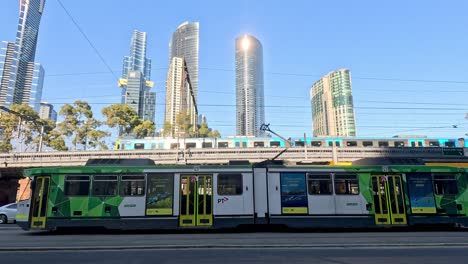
point(260, 195)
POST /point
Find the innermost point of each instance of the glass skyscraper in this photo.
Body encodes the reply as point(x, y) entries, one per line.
point(184, 44)
point(332, 105)
point(18, 63)
point(250, 104)
point(135, 81)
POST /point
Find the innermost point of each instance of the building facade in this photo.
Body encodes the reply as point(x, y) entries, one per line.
point(34, 84)
point(185, 44)
point(135, 82)
point(17, 71)
point(250, 101)
point(46, 111)
point(332, 105)
point(180, 98)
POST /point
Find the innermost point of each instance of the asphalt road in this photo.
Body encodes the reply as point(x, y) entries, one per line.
point(248, 247)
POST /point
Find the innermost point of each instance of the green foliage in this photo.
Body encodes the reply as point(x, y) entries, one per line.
point(14, 126)
point(81, 126)
point(127, 120)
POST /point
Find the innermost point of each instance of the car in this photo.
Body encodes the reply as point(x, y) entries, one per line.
point(8, 213)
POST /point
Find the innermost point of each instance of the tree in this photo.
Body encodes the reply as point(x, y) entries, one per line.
point(127, 120)
point(51, 137)
point(203, 130)
point(22, 128)
point(144, 129)
point(80, 125)
point(214, 134)
point(167, 129)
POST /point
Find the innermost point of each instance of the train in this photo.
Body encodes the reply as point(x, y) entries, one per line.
point(137, 194)
point(275, 142)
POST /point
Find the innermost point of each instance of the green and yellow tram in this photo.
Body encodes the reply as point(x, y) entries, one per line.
point(124, 196)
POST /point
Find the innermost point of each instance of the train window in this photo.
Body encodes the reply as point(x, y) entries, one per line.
point(275, 144)
point(174, 145)
point(207, 145)
point(346, 184)
point(132, 185)
point(229, 184)
point(319, 184)
point(351, 143)
point(299, 143)
point(367, 144)
point(190, 145)
point(316, 143)
point(450, 144)
point(237, 144)
point(153, 145)
point(399, 144)
point(445, 184)
point(139, 146)
point(259, 144)
point(244, 144)
point(337, 143)
point(105, 185)
point(223, 144)
point(383, 144)
point(434, 144)
point(76, 185)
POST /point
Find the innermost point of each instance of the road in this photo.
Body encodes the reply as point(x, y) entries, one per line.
point(232, 247)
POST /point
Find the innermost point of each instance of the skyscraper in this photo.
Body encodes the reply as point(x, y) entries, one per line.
point(46, 111)
point(32, 94)
point(180, 97)
point(332, 105)
point(16, 81)
point(250, 104)
point(184, 44)
point(135, 81)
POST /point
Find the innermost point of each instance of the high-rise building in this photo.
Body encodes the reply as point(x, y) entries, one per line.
point(184, 44)
point(180, 98)
point(16, 82)
point(250, 103)
point(202, 119)
point(135, 81)
point(34, 83)
point(8, 66)
point(46, 111)
point(332, 105)
point(26, 40)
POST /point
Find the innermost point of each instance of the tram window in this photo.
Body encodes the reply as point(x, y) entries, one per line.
point(207, 145)
point(139, 146)
point(174, 145)
point(445, 184)
point(316, 143)
point(319, 184)
point(275, 144)
point(351, 143)
point(190, 145)
point(223, 144)
point(450, 144)
point(434, 144)
point(299, 143)
point(367, 144)
point(230, 184)
point(76, 185)
point(383, 143)
point(346, 184)
point(132, 185)
point(259, 144)
point(105, 185)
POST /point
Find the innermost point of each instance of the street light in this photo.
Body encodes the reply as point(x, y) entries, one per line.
point(40, 128)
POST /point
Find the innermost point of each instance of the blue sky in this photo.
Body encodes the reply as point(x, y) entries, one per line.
point(422, 41)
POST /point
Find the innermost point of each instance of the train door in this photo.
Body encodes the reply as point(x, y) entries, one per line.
point(389, 202)
point(39, 202)
point(196, 203)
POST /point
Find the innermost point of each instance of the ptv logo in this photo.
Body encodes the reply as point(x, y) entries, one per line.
point(223, 200)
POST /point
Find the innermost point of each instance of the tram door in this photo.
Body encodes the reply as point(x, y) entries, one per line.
point(389, 202)
point(196, 200)
point(39, 202)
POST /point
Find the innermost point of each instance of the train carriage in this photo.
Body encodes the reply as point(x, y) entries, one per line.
point(172, 197)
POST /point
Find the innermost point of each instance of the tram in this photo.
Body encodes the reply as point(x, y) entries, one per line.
point(119, 195)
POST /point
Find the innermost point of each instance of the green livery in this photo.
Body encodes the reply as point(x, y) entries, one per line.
point(134, 197)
